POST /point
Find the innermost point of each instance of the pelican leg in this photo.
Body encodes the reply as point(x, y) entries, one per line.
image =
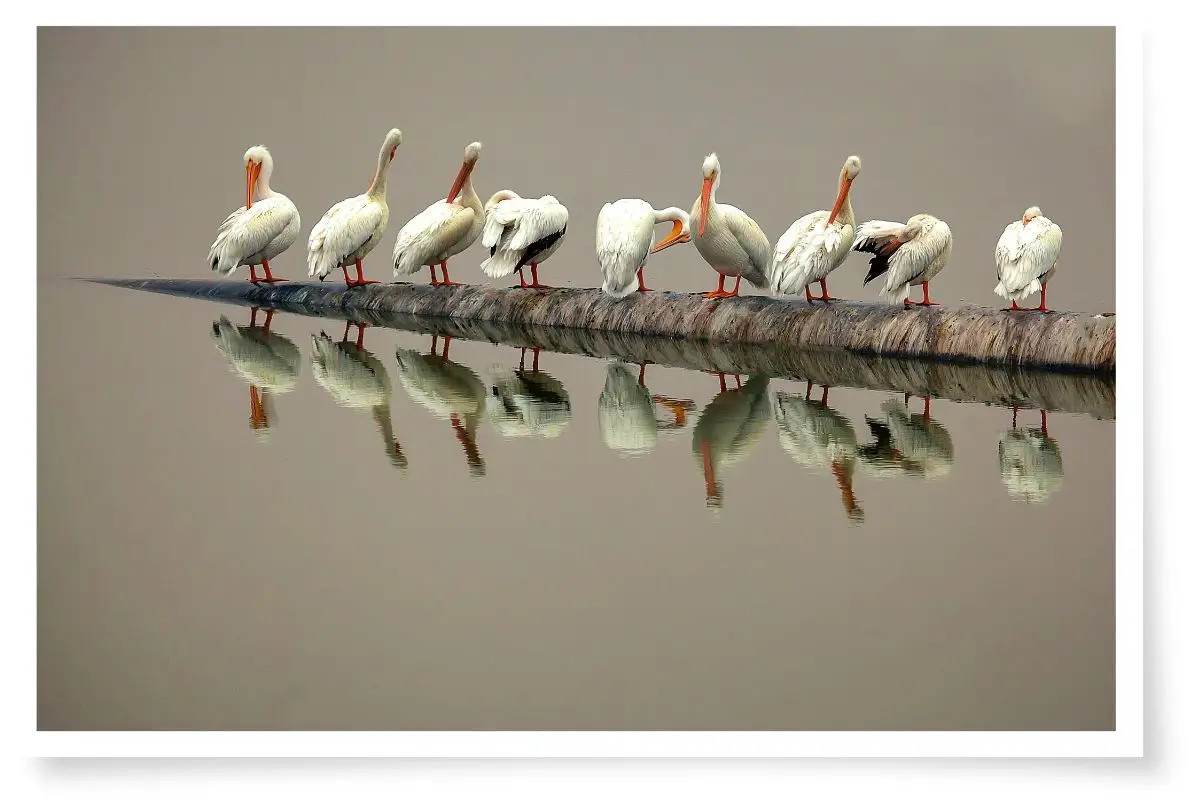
point(446, 277)
point(1044, 431)
point(720, 291)
point(824, 397)
point(808, 391)
point(1042, 308)
point(521, 272)
point(266, 326)
point(360, 280)
point(253, 276)
point(433, 281)
point(642, 375)
point(808, 295)
point(270, 278)
point(825, 292)
point(254, 317)
point(926, 301)
point(642, 287)
point(925, 415)
point(537, 351)
point(346, 275)
point(536, 284)
point(445, 348)
point(433, 345)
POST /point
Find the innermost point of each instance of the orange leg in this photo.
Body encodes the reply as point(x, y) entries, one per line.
point(446, 277)
point(266, 326)
point(361, 281)
point(926, 301)
point(254, 317)
point(433, 281)
point(721, 377)
point(536, 284)
point(445, 348)
point(808, 295)
point(824, 396)
point(346, 275)
point(926, 414)
point(361, 329)
point(537, 351)
point(825, 292)
point(721, 291)
point(433, 345)
point(711, 490)
point(642, 287)
point(1042, 307)
point(253, 276)
point(1044, 431)
point(642, 375)
point(521, 272)
point(270, 278)
point(678, 407)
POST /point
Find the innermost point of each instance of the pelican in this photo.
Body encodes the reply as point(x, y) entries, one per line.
point(818, 437)
point(727, 429)
point(444, 229)
point(628, 422)
point(625, 239)
point(726, 237)
point(449, 391)
point(1027, 257)
point(262, 358)
point(1031, 465)
point(909, 252)
point(817, 243)
point(914, 444)
point(528, 403)
point(355, 378)
point(519, 232)
point(266, 227)
point(351, 229)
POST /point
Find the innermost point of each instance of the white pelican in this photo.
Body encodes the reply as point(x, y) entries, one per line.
point(628, 422)
point(444, 229)
point(726, 237)
point(1027, 257)
point(817, 243)
point(913, 444)
point(449, 391)
point(351, 229)
point(521, 232)
point(909, 252)
point(625, 239)
point(818, 437)
point(1031, 465)
point(528, 403)
point(262, 358)
point(267, 226)
point(355, 378)
point(727, 429)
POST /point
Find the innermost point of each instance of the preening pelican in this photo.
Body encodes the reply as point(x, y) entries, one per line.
point(262, 358)
point(444, 229)
point(726, 237)
point(625, 239)
point(1027, 257)
point(449, 391)
point(263, 229)
point(913, 444)
point(528, 402)
point(627, 412)
point(817, 243)
point(1031, 464)
point(355, 378)
point(909, 252)
point(818, 437)
point(727, 429)
point(520, 232)
point(351, 229)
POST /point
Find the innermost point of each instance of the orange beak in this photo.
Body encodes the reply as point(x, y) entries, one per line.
point(705, 199)
point(843, 193)
point(677, 236)
point(456, 187)
point(252, 171)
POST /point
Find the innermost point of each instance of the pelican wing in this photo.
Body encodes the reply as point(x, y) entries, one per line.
point(534, 219)
point(1024, 254)
point(752, 240)
point(808, 251)
point(429, 234)
point(624, 236)
point(248, 230)
point(345, 228)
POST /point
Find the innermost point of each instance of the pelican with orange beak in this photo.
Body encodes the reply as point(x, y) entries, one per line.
point(267, 225)
point(625, 239)
point(817, 243)
point(444, 229)
point(726, 237)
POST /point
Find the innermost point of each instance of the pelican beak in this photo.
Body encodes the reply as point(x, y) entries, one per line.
point(463, 173)
point(843, 193)
point(705, 199)
point(252, 171)
point(678, 235)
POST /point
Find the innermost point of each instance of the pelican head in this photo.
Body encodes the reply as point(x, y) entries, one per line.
point(470, 156)
point(500, 197)
point(712, 179)
point(392, 141)
point(679, 231)
point(849, 172)
point(258, 164)
point(1031, 213)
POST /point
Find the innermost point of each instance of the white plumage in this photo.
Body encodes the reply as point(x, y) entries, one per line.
point(728, 429)
point(524, 403)
point(625, 239)
point(258, 232)
point(448, 390)
point(627, 413)
point(1027, 256)
point(444, 229)
point(352, 228)
point(521, 232)
point(726, 237)
point(906, 253)
point(355, 378)
point(817, 243)
point(1031, 465)
point(267, 361)
point(819, 438)
point(923, 445)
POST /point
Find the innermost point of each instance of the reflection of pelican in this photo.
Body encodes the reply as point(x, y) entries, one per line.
point(627, 411)
point(528, 403)
point(448, 390)
point(818, 437)
point(355, 378)
point(262, 358)
point(729, 426)
point(1030, 463)
point(913, 444)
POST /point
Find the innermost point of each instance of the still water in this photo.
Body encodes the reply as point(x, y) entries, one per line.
point(301, 524)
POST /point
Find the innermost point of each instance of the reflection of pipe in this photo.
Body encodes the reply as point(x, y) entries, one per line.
point(973, 334)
